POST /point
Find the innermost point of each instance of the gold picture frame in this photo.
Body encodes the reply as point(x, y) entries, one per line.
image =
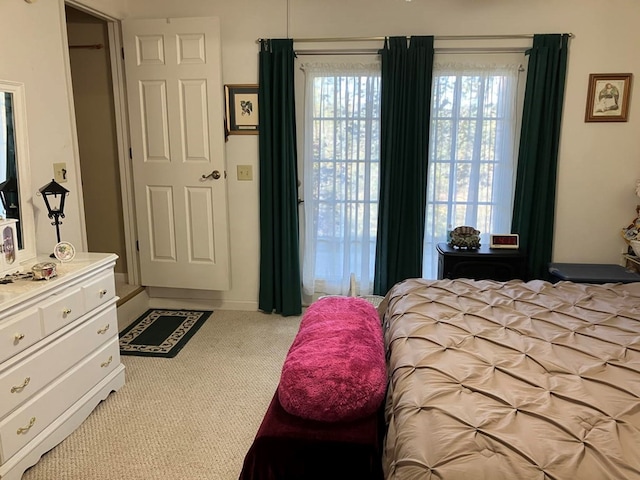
point(608, 97)
point(241, 109)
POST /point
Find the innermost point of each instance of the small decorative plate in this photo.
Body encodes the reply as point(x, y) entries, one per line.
point(64, 251)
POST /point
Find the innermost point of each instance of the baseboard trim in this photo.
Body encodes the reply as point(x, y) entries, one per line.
point(129, 296)
point(132, 308)
point(203, 304)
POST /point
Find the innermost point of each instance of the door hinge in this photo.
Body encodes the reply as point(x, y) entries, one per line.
point(130, 154)
point(137, 245)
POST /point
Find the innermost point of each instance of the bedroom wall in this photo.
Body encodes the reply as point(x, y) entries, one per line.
point(33, 49)
point(31, 52)
point(598, 164)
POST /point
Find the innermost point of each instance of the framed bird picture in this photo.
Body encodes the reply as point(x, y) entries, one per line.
point(241, 109)
point(608, 97)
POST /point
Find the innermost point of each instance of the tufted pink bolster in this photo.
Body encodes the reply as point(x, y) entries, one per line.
point(335, 369)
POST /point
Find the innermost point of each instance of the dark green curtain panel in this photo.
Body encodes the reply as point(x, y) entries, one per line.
point(535, 192)
point(280, 284)
point(406, 81)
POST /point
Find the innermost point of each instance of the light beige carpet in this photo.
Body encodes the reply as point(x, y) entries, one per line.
point(192, 417)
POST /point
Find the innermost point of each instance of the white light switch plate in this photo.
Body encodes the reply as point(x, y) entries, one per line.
point(60, 172)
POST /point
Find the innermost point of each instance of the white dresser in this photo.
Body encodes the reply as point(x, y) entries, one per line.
point(59, 356)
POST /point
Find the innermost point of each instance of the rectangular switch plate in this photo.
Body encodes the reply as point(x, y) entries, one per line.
point(245, 172)
point(60, 172)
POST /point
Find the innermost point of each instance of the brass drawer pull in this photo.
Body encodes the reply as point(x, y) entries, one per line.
point(108, 362)
point(104, 329)
point(19, 388)
point(17, 337)
point(22, 430)
point(66, 312)
point(103, 292)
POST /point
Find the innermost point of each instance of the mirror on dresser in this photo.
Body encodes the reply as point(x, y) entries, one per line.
point(15, 179)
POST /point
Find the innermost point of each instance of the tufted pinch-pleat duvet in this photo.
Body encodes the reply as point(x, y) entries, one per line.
point(514, 380)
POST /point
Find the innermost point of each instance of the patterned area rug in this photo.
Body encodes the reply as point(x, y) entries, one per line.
point(161, 333)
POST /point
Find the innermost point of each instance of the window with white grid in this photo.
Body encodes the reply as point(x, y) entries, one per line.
point(341, 159)
point(472, 153)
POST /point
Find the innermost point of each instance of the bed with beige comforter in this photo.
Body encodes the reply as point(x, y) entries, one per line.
point(512, 380)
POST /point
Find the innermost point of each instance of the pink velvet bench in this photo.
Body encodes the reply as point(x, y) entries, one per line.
point(326, 417)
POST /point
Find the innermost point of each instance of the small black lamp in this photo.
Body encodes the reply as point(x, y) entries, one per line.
point(55, 206)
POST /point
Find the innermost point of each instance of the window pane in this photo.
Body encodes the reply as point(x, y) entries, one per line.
point(471, 153)
point(341, 181)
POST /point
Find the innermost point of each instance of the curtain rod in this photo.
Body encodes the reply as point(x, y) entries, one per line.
point(485, 51)
point(437, 37)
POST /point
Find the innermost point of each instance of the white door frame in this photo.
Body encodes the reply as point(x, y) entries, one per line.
point(122, 134)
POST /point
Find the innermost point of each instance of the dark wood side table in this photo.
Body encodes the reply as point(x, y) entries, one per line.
point(485, 263)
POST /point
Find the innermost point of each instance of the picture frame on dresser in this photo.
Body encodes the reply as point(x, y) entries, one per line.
point(16, 196)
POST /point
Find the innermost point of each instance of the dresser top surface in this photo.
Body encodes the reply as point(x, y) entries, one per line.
point(21, 290)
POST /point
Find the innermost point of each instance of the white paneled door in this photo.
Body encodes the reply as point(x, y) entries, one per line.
point(175, 94)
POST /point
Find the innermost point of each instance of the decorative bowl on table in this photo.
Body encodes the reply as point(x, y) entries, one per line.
point(465, 237)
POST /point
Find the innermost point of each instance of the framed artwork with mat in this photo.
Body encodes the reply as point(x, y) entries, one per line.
point(242, 116)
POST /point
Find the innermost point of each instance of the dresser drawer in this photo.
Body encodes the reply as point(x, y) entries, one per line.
point(22, 381)
point(60, 309)
point(24, 424)
point(99, 291)
point(19, 332)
